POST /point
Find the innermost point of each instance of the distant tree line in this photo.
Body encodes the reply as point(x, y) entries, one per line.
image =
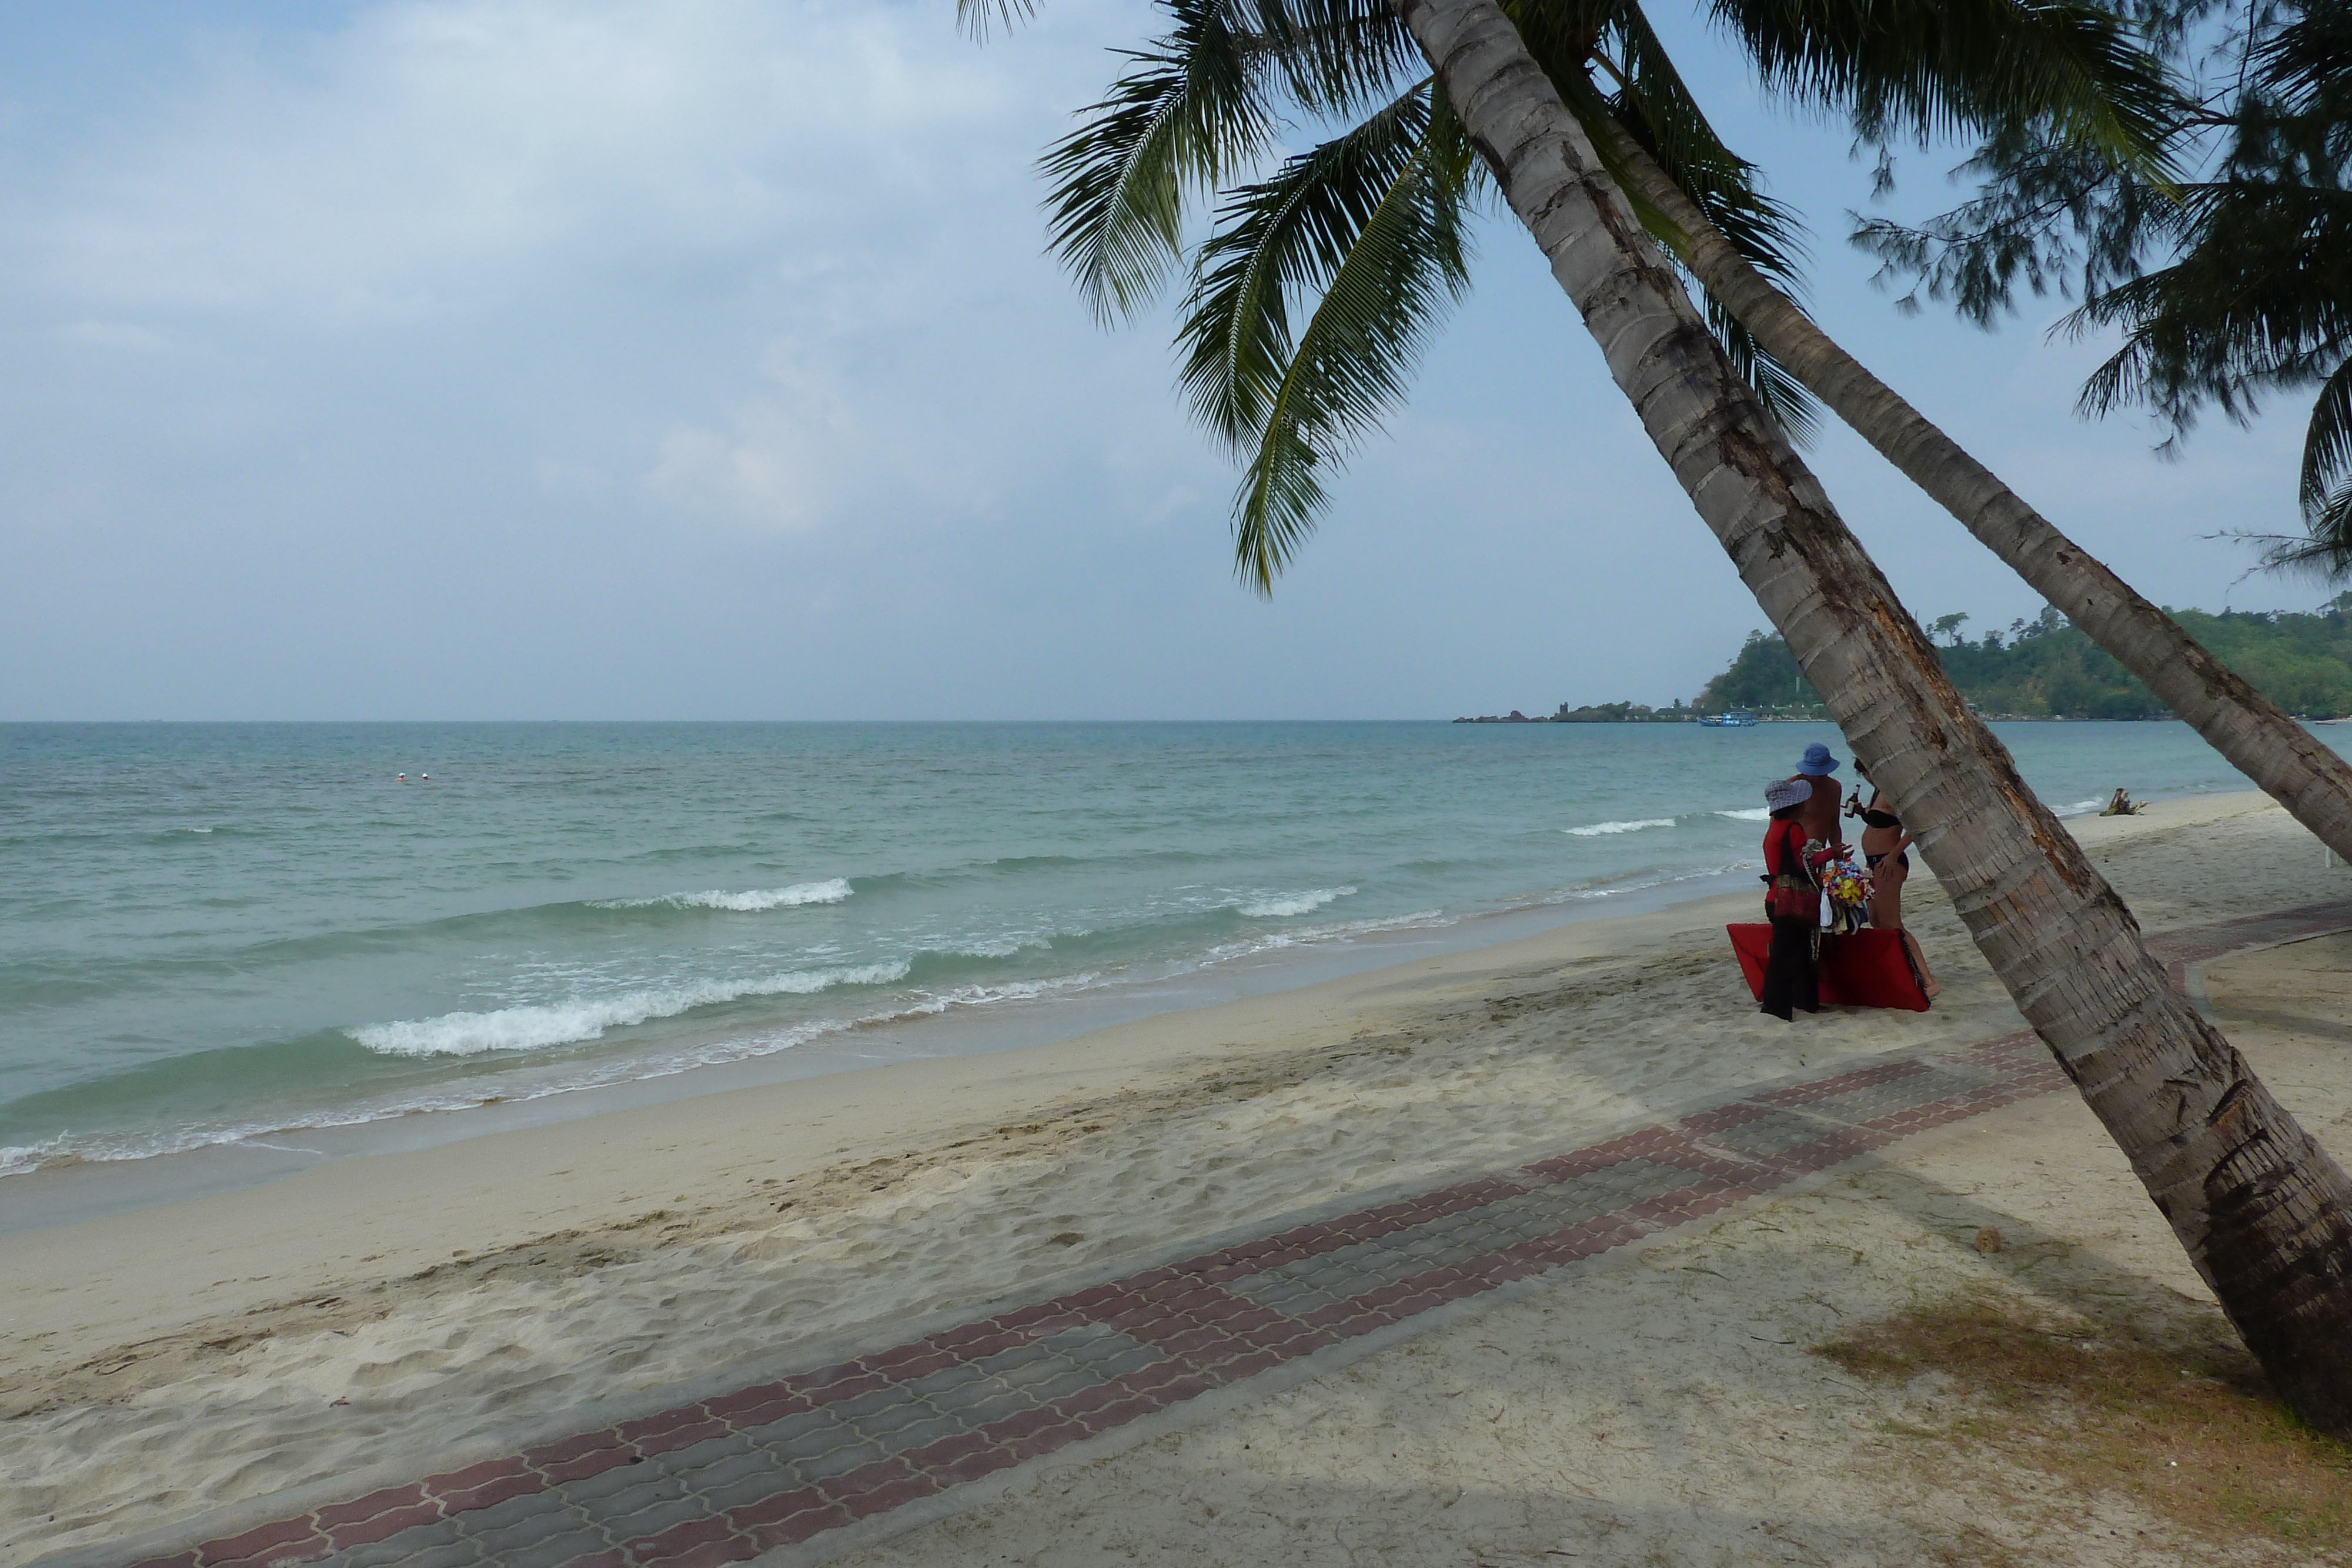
point(2045, 668)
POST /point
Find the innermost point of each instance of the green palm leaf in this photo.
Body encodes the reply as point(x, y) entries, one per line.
point(1192, 111)
point(1370, 225)
point(1653, 107)
point(1931, 68)
point(1195, 110)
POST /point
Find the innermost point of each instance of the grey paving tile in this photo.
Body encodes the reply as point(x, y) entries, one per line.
point(481, 1521)
point(400, 1548)
point(652, 1519)
point(853, 1412)
point(1775, 1132)
point(995, 1405)
point(930, 1429)
point(455, 1554)
point(1043, 1370)
point(1018, 1356)
point(1899, 1093)
point(757, 1463)
point(841, 1461)
point(979, 1403)
point(892, 1424)
point(501, 1541)
point(687, 1465)
point(555, 1550)
point(1134, 1358)
point(592, 1490)
point(656, 1489)
point(812, 1444)
point(947, 1382)
point(750, 1486)
point(794, 1431)
point(1330, 1277)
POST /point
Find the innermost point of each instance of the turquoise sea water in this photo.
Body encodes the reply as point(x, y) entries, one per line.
point(213, 932)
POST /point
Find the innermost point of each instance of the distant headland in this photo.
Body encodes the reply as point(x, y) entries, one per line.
point(2041, 669)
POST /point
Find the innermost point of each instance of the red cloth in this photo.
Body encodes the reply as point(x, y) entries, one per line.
point(1860, 969)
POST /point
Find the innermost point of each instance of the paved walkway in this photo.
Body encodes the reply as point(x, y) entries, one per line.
point(728, 1477)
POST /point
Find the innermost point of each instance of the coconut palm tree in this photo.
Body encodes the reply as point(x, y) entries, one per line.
point(2263, 1213)
point(1374, 220)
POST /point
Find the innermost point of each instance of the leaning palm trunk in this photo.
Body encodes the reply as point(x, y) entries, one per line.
point(2266, 1214)
point(2279, 755)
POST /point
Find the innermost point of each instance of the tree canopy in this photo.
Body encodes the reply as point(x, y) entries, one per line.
point(2047, 668)
point(2229, 287)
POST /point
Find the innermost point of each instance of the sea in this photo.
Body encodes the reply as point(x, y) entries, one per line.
point(263, 940)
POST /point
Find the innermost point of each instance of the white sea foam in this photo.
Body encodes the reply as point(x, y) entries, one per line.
point(2094, 804)
point(831, 891)
point(1752, 814)
point(1278, 904)
point(561, 1023)
point(1597, 828)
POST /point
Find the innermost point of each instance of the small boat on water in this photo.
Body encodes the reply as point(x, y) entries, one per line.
point(1738, 719)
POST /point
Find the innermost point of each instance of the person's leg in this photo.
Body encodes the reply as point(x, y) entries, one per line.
point(1807, 993)
point(1790, 980)
point(1885, 895)
point(1779, 974)
point(1893, 896)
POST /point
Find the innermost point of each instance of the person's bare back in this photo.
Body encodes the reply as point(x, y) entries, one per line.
point(1819, 815)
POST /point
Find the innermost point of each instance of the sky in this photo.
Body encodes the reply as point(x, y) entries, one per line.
point(701, 360)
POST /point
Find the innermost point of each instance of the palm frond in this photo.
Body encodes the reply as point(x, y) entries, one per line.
point(1655, 110)
point(1370, 225)
point(974, 16)
point(1658, 110)
point(1337, 59)
point(1928, 70)
point(1191, 111)
point(2326, 491)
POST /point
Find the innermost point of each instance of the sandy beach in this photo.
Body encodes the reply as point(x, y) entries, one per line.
point(1670, 1408)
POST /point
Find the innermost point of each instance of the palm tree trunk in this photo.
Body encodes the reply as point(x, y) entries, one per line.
point(2266, 1214)
point(2286, 760)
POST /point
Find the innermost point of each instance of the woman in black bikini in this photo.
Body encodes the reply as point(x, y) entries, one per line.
point(1886, 848)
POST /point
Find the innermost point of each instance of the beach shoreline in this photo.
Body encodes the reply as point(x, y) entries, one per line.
point(71, 1189)
point(188, 1353)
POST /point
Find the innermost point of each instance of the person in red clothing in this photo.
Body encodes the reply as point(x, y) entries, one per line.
point(1792, 902)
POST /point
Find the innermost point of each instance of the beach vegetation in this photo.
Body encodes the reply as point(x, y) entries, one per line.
point(2171, 1417)
point(2262, 1210)
point(2047, 668)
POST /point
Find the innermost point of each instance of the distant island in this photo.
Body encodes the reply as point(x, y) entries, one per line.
point(2040, 669)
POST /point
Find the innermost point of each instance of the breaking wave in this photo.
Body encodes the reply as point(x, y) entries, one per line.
point(1278, 904)
point(831, 891)
point(564, 1023)
point(1597, 828)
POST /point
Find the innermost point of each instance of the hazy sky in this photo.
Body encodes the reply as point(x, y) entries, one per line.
point(698, 359)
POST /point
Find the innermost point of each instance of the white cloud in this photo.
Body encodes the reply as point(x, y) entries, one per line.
point(128, 335)
point(439, 156)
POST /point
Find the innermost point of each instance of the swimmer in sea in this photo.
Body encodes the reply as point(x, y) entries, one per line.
point(400, 777)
